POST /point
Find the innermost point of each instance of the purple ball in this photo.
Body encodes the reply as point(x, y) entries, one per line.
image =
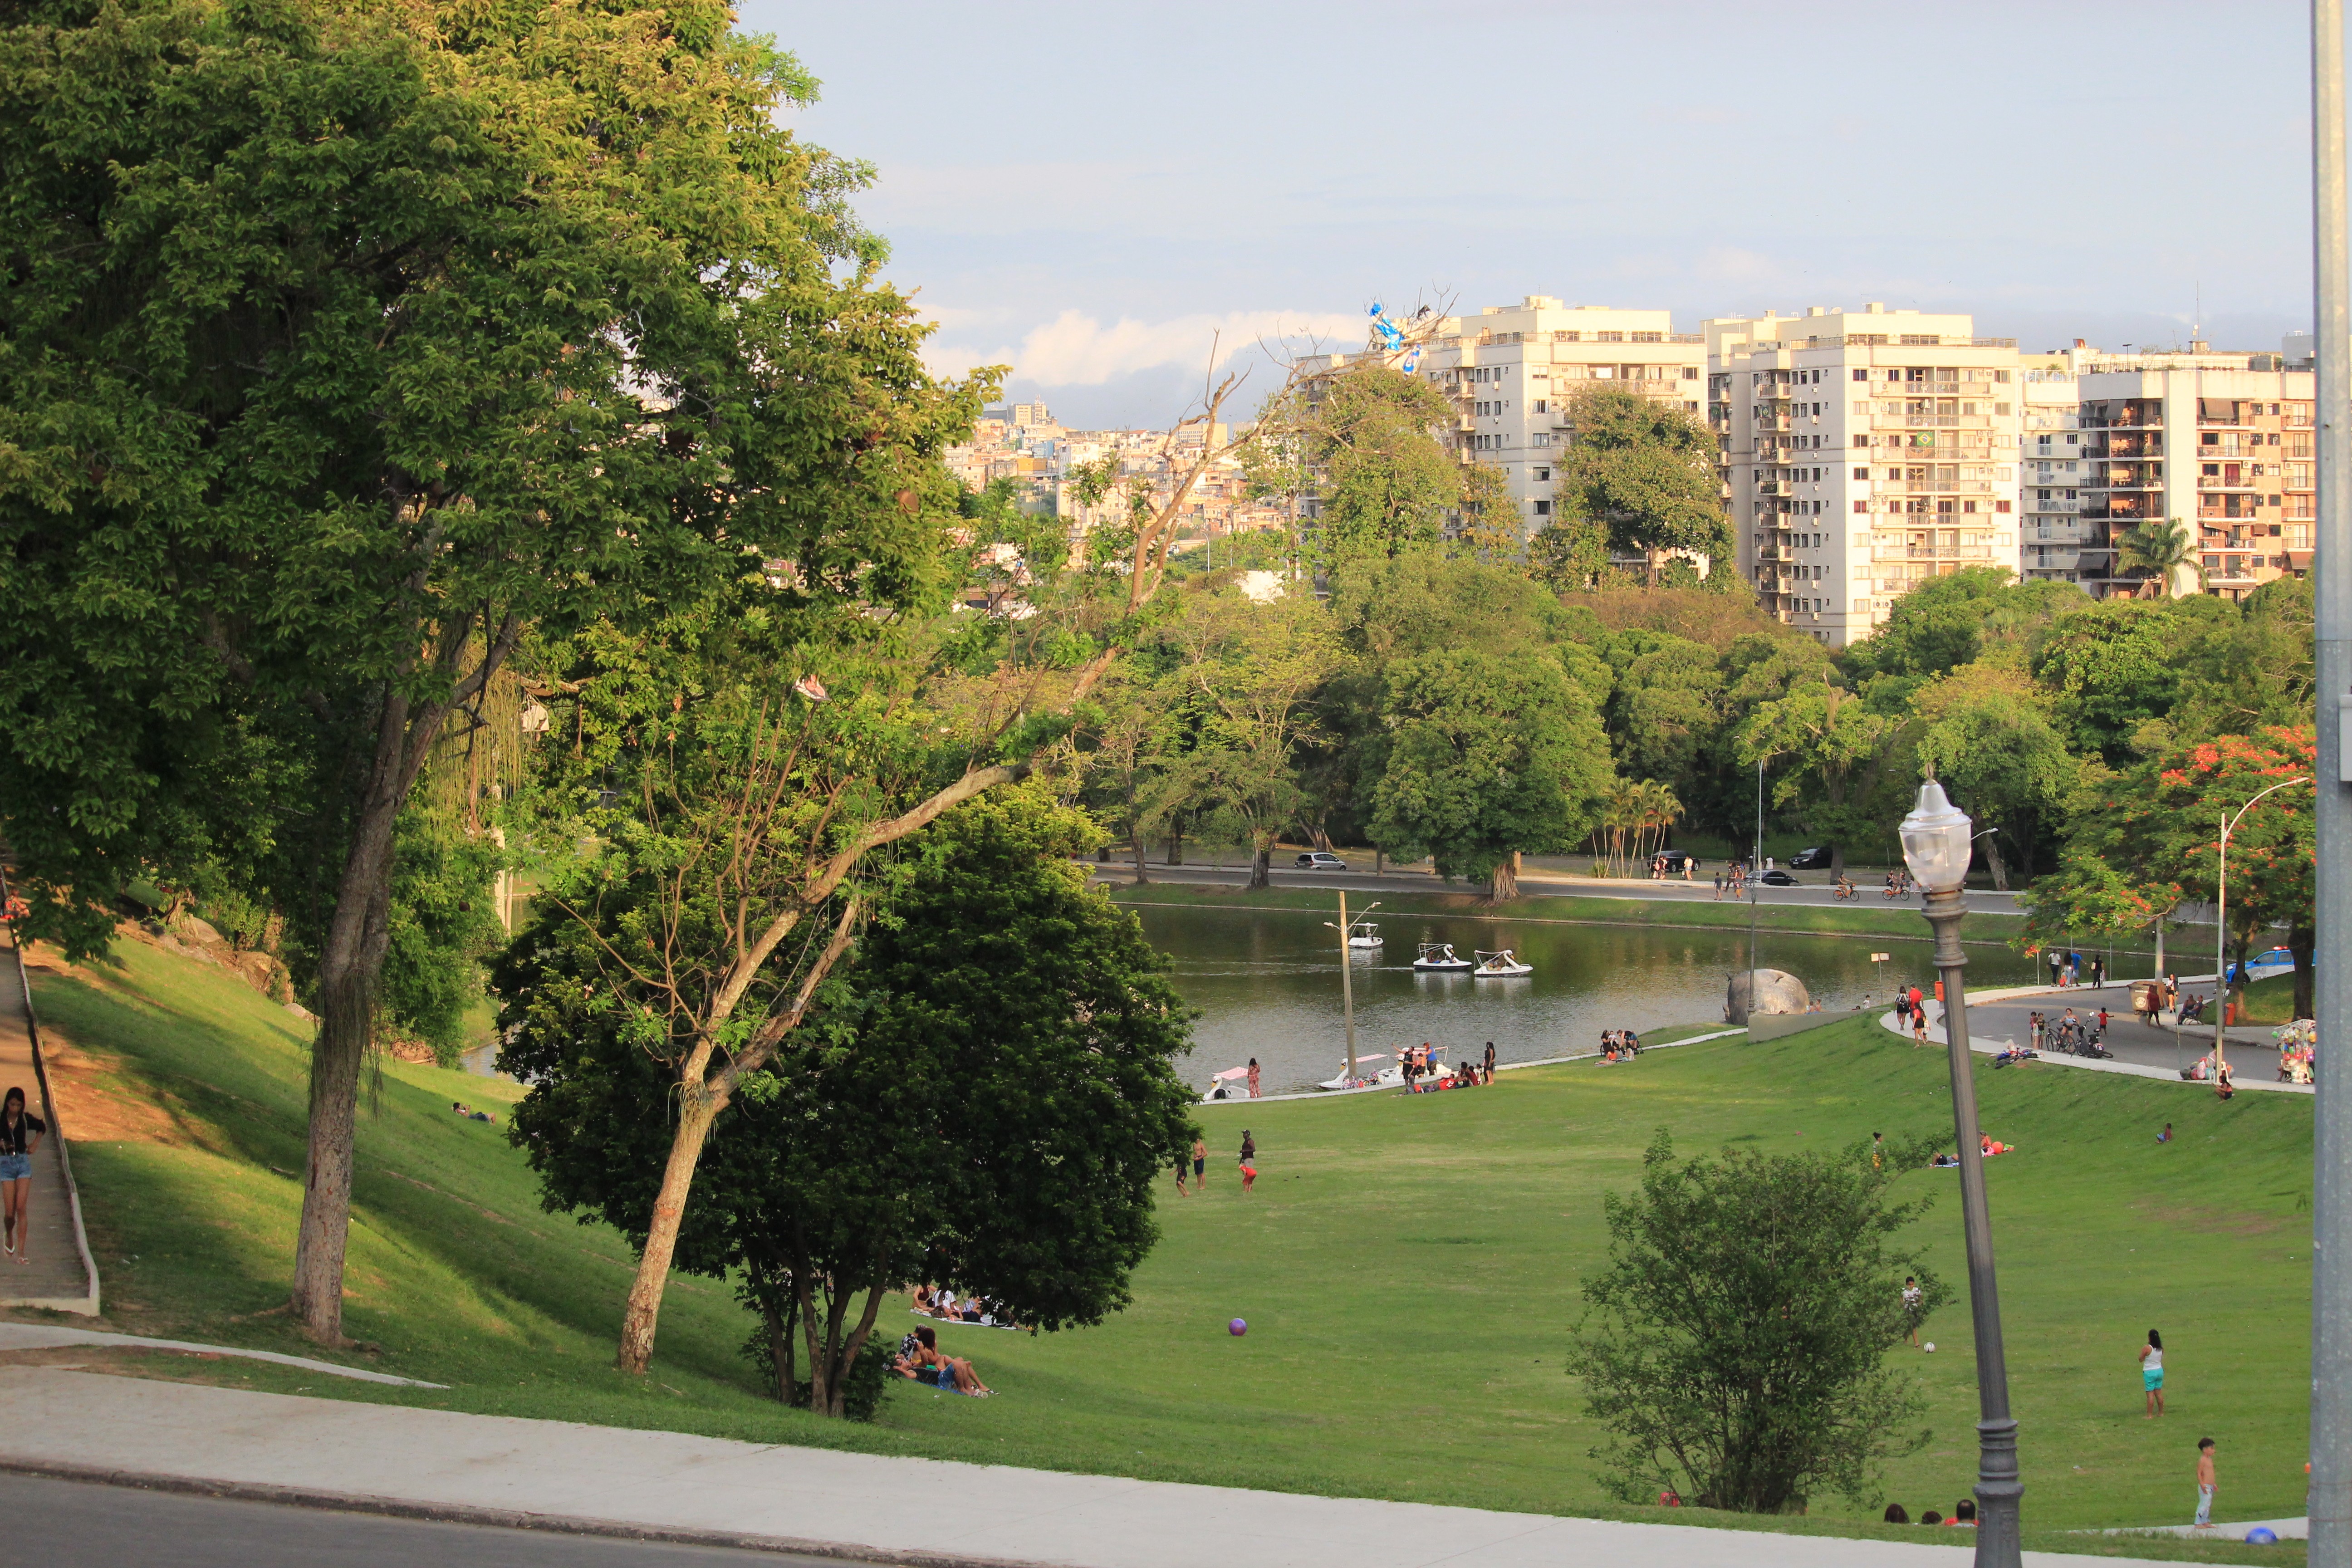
point(1238, 1328)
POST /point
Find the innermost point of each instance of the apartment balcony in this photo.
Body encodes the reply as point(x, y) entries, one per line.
point(1772, 488)
point(2209, 482)
point(1774, 422)
point(2139, 422)
point(1935, 487)
point(1931, 553)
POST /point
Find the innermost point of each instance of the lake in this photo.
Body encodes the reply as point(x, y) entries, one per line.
point(1267, 984)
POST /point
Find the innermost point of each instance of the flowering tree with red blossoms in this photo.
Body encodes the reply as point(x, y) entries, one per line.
point(2145, 840)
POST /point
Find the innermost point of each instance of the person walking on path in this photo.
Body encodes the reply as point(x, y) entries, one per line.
point(1248, 1160)
point(2151, 1373)
point(2206, 1482)
point(20, 1135)
point(1252, 1078)
point(1200, 1164)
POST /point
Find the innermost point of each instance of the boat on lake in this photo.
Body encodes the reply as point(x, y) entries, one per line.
point(1504, 965)
point(1364, 934)
point(1439, 958)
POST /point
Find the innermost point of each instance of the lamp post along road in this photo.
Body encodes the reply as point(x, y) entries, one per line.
point(1936, 846)
point(2222, 926)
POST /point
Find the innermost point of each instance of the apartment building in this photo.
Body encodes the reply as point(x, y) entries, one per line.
point(2220, 441)
point(1861, 453)
point(2052, 475)
point(1511, 368)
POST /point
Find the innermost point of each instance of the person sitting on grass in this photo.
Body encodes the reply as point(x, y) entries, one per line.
point(1897, 1514)
point(1931, 1517)
point(948, 1375)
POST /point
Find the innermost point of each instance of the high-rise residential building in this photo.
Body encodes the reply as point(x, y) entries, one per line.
point(1863, 452)
point(2053, 475)
point(1511, 368)
point(2220, 442)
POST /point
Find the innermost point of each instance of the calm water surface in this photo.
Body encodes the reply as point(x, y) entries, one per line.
point(1267, 984)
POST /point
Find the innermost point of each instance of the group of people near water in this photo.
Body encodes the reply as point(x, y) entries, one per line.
point(1620, 1044)
point(1423, 1073)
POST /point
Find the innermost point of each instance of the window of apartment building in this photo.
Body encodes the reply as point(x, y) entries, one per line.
point(1861, 373)
point(1543, 406)
point(1543, 509)
point(1690, 372)
point(1861, 473)
point(1543, 474)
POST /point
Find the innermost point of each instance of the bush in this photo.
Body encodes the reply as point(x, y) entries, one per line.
point(1734, 1344)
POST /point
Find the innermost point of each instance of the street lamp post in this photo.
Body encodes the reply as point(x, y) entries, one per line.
point(1936, 846)
point(2221, 927)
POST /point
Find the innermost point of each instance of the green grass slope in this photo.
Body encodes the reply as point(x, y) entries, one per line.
point(1409, 1269)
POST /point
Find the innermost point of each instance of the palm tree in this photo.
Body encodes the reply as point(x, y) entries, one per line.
point(2160, 548)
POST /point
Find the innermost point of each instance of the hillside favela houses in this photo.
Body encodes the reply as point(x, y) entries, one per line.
point(1858, 451)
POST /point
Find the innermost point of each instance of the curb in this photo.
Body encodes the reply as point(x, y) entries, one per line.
point(87, 1306)
point(496, 1517)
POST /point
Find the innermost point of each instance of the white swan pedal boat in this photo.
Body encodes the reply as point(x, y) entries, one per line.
point(1500, 965)
point(1364, 934)
point(1439, 958)
point(1391, 1076)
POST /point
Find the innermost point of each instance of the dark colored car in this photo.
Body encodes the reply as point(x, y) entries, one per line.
point(1320, 860)
point(1776, 877)
point(1815, 859)
point(1677, 859)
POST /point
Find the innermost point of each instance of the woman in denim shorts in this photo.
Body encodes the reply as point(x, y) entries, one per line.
point(20, 1135)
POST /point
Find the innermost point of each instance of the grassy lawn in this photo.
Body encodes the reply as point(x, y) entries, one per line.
point(1406, 1265)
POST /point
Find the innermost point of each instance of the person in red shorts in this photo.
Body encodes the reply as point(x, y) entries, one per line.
point(1249, 1160)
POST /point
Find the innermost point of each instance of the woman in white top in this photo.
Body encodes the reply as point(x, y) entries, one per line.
point(2151, 1373)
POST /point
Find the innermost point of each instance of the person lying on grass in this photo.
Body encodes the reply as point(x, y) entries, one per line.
point(921, 1362)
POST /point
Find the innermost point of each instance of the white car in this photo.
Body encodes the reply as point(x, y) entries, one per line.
point(1320, 860)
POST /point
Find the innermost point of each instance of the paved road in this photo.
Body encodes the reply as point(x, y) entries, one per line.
point(79, 1524)
point(2252, 1053)
point(1539, 885)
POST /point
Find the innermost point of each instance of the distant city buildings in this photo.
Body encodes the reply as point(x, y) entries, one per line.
point(1859, 452)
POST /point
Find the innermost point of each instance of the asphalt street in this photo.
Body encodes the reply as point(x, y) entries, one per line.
point(81, 1524)
point(2252, 1051)
point(1814, 891)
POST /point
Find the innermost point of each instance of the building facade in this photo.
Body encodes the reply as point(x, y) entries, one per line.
point(1510, 369)
point(1861, 453)
point(2052, 475)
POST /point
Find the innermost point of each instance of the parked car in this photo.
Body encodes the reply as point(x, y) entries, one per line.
point(1776, 877)
point(1677, 859)
point(1815, 859)
point(1320, 860)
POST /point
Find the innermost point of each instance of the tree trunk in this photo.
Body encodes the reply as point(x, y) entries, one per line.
point(1261, 865)
point(697, 1108)
point(1503, 884)
point(350, 966)
point(1376, 859)
point(1135, 840)
point(1175, 849)
point(1995, 864)
point(1837, 862)
point(1318, 837)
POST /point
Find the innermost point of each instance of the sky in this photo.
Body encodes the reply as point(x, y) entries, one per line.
point(1105, 196)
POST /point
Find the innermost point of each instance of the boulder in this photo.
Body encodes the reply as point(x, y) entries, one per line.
point(1776, 992)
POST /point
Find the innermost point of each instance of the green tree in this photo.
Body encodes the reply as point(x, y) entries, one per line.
point(1362, 444)
point(2114, 665)
point(996, 1003)
point(1735, 1345)
point(1986, 731)
point(1243, 675)
point(352, 346)
point(2145, 842)
point(443, 926)
point(1664, 716)
point(2243, 673)
point(2159, 551)
point(1642, 472)
point(1837, 753)
point(1489, 756)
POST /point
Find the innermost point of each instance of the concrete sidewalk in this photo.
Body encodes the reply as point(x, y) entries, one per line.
point(60, 1276)
point(664, 1485)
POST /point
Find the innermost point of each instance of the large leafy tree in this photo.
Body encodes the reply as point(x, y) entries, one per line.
point(1986, 731)
point(1832, 754)
point(1641, 473)
point(1362, 444)
point(985, 1102)
point(344, 348)
point(1489, 756)
point(2143, 841)
point(2114, 665)
point(1736, 1343)
point(1240, 679)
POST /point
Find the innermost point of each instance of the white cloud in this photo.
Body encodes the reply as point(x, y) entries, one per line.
point(1077, 350)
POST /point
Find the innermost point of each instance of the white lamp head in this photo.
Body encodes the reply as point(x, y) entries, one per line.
point(1936, 840)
